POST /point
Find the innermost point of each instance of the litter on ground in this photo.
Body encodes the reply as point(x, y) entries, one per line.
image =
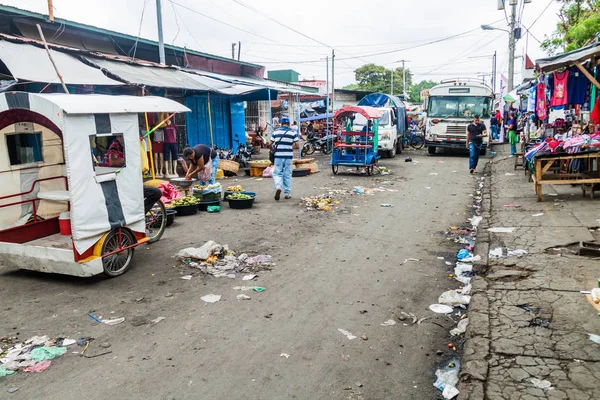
point(347, 334)
point(501, 230)
point(541, 384)
point(461, 327)
point(441, 308)
point(211, 298)
point(389, 322)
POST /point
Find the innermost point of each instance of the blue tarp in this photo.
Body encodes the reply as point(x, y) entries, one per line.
point(386, 100)
point(316, 117)
point(197, 121)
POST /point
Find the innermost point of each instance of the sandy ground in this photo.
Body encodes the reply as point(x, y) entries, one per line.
point(340, 269)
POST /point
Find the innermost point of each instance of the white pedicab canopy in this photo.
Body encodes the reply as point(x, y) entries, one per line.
point(101, 198)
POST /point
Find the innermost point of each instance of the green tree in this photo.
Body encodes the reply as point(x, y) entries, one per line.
point(579, 24)
point(377, 78)
point(415, 90)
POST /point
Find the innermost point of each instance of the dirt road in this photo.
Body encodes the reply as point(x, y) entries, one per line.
point(341, 269)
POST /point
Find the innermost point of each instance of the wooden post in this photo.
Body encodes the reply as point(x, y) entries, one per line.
point(538, 179)
point(587, 74)
point(51, 59)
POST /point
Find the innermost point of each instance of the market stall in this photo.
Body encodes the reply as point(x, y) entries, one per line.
point(563, 113)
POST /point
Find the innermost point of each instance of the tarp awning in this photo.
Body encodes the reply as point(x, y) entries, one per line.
point(550, 64)
point(381, 100)
point(106, 104)
point(316, 117)
point(250, 81)
point(27, 62)
point(149, 76)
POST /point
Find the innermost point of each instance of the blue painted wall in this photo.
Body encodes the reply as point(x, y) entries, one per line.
point(238, 123)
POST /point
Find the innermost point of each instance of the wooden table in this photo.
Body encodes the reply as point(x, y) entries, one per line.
point(567, 169)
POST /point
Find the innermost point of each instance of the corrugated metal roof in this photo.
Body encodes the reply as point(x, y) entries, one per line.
point(27, 62)
point(43, 18)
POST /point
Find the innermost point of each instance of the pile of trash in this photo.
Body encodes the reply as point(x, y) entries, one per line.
point(218, 260)
point(32, 355)
point(323, 202)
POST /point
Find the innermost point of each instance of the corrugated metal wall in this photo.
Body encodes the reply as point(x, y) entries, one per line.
point(198, 128)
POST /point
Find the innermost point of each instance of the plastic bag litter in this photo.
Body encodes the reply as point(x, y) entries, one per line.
point(5, 372)
point(501, 230)
point(541, 384)
point(537, 215)
point(472, 258)
point(461, 327)
point(475, 220)
point(496, 253)
point(243, 297)
point(452, 297)
point(347, 334)
point(261, 258)
point(38, 340)
point(595, 293)
point(463, 253)
point(268, 172)
point(208, 249)
point(446, 381)
point(39, 367)
point(248, 277)
point(211, 298)
point(47, 353)
point(594, 338)
point(441, 308)
point(115, 321)
point(389, 322)
point(517, 253)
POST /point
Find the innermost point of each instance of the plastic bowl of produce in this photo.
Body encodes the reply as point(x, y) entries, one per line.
point(186, 206)
point(240, 201)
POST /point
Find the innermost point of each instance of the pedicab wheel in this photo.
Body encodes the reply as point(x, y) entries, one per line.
point(156, 222)
point(417, 142)
point(334, 169)
point(118, 262)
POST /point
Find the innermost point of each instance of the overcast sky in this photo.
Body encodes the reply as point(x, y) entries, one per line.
point(358, 30)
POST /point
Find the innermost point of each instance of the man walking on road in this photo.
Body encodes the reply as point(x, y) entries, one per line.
point(283, 142)
point(476, 132)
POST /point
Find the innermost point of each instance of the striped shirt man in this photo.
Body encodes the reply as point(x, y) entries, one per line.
point(283, 139)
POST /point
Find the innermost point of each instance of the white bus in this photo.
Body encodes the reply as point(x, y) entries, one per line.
point(450, 108)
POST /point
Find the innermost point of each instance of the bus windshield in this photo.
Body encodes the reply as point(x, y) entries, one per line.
point(459, 106)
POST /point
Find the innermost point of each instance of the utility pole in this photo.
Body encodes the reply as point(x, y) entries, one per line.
point(332, 80)
point(392, 84)
point(511, 46)
point(161, 42)
point(233, 50)
point(494, 73)
point(327, 102)
point(239, 50)
point(404, 80)
point(50, 11)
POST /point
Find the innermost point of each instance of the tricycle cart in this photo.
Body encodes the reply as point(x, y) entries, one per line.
point(357, 149)
point(49, 169)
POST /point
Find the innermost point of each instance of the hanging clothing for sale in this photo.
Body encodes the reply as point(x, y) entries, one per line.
point(577, 86)
point(595, 115)
point(540, 108)
point(559, 94)
point(531, 99)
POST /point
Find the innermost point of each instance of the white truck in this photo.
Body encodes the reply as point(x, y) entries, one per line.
point(392, 124)
point(450, 108)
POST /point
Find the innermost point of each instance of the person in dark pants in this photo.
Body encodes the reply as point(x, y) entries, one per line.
point(476, 132)
point(151, 196)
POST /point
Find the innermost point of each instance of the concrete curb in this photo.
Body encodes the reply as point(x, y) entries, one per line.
point(476, 353)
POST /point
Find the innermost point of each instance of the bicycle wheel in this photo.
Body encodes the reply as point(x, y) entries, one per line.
point(156, 222)
point(115, 261)
point(417, 142)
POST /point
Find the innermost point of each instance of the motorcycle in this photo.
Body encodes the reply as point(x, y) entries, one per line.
point(244, 155)
point(315, 143)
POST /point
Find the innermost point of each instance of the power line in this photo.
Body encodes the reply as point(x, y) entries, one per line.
point(187, 29)
point(278, 23)
point(539, 16)
point(134, 48)
point(176, 23)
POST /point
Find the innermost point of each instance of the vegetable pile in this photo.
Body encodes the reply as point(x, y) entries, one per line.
point(237, 188)
point(185, 201)
point(239, 196)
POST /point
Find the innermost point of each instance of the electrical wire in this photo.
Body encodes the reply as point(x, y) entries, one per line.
point(134, 48)
point(188, 29)
point(278, 22)
point(176, 23)
point(539, 16)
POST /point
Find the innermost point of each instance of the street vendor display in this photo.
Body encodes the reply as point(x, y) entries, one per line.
point(567, 151)
point(106, 202)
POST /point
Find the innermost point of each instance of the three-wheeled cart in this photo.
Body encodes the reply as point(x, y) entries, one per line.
point(48, 171)
point(357, 149)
